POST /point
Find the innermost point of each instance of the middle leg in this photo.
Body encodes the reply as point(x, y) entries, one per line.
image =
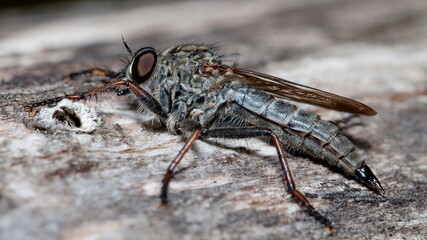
point(169, 173)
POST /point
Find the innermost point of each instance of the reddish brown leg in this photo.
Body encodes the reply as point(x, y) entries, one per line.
point(143, 96)
point(169, 173)
point(92, 71)
point(298, 196)
point(256, 132)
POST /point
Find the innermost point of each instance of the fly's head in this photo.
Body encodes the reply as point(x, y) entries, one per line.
point(142, 65)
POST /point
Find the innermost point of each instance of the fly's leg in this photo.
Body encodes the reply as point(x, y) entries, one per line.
point(143, 96)
point(344, 122)
point(298, 196)
point(255, 132)
point(32, 108)
point(92, 71)
point(97, 72)
point(169, 173)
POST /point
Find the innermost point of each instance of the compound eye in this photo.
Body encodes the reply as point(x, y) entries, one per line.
point(143, 65)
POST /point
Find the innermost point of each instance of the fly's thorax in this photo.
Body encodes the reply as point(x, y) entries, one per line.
point(183, 89)
point(187, 102)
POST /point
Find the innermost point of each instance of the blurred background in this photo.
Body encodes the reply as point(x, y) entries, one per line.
point(105, 185)
point(266, 34)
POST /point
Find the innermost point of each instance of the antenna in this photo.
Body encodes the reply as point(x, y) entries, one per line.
point(127, 46)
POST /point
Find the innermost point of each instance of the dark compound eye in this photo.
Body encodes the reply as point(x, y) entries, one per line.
point(143, 65)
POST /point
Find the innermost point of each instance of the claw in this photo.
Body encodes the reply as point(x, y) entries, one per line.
point(67, 79)
point(367, 177)
point(30, 109)
point(162, 204)
point(33, 112)
point(330, 230)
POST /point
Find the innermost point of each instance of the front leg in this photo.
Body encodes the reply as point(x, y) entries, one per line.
point(93, 71)
point(143, 96)
point(98, 72)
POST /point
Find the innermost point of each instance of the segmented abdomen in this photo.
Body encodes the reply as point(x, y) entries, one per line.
point(302, 130)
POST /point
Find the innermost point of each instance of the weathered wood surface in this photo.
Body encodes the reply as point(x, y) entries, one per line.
point(105, 184)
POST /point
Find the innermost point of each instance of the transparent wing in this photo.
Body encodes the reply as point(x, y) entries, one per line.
point(297, 92)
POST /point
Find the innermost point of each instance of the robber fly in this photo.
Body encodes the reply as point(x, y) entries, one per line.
point(190, 89)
